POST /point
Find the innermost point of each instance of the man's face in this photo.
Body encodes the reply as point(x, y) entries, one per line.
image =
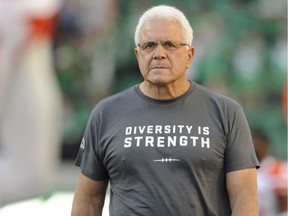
point(161, 66)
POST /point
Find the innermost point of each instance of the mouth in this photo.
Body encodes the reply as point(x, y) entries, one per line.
point(159, 67)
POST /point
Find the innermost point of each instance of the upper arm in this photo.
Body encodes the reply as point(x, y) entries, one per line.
point(89, 196)
point(242, 189)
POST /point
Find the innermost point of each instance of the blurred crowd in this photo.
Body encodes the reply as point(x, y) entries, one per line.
point(59, 58)
point(30, 100)
point(271, 178)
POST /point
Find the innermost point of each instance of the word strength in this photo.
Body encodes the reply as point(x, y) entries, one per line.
point(166, 136)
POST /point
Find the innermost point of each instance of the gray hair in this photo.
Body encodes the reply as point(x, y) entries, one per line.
point(164, 12)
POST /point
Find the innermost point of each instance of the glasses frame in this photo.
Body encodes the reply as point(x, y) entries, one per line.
point(162, 43)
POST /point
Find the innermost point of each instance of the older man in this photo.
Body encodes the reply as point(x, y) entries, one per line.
point(168, 146)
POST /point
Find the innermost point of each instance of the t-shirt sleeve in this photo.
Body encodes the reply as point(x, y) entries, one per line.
point(240, 153)
point(89, 157)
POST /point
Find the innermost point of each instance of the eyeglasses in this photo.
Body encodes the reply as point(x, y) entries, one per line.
point(167, 45)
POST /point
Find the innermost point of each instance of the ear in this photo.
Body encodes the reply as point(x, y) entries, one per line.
point(136, 51)
point(190, 56)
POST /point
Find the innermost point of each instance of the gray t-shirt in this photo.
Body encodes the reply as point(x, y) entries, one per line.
point(166, 157)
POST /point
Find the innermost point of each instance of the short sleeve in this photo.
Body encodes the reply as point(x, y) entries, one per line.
point(240, 153)
point(89, 157)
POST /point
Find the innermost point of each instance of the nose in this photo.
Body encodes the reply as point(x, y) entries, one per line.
point(159, 52)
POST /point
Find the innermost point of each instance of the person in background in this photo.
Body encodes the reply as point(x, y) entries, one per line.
point(272, 178)
point(167, 146)
point(30, 100)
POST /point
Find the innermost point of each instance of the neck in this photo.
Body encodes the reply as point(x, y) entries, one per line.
point(164, 92)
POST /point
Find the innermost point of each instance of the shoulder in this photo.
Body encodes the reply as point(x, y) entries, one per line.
point(116, 103)
point(216, 104)
point(118, 98)
point(215, 98)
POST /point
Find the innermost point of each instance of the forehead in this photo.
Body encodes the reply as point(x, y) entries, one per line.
point(159, 30)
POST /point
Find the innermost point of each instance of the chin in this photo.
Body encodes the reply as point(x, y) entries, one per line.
point(158, 79)
point(159, 82)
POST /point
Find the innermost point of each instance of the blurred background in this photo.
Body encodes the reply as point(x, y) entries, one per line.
point(240, 51)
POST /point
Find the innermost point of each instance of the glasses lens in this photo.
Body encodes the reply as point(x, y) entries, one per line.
point(168, 45)
point(149, 45)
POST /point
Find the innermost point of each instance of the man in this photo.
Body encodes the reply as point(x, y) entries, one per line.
point(167, 146)
point(272, 178)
